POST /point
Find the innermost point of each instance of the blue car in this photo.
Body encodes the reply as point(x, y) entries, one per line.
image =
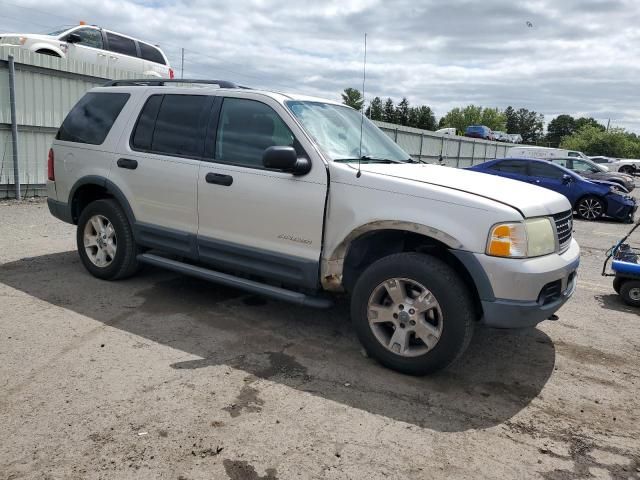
point(591, 199)
point(479, 131)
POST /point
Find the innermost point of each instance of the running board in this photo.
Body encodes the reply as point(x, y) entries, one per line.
point(236, 282)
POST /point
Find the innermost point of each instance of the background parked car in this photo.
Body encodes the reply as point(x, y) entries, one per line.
point(479, 131)
point(543, 153)
point(95, 45)
point(591, 170)
point(629, 166)
point(500, 136)
point(591, 199)
point(514, 138)
point(447, 131)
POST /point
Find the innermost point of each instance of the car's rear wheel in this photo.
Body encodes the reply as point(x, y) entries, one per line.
point(630, 292)
point(617, 284)
point(105, 241)
point(590, 208)
point(412, 313)
point(627, 169)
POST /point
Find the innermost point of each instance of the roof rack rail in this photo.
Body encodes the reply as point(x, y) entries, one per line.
point(161, 82)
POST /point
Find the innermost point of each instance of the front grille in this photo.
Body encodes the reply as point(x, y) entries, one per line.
point(564, 228)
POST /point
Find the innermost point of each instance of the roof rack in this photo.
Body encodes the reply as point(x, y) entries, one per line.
point(161, 82)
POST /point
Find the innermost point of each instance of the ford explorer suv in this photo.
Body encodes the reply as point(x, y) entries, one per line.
point(300, 199)
point(97, 46)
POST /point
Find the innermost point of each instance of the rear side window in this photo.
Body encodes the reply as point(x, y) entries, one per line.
point(151, 54)
point(545, 170)
point(92, 118)
point(173, 125)
point(120, 44)
point(510, 166)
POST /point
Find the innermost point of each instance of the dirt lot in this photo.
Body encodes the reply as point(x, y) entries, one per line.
point(162, 376)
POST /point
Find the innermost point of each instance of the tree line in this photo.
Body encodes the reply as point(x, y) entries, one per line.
point(583, 133)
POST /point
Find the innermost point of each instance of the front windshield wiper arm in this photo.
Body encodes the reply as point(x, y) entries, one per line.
point(368, 159)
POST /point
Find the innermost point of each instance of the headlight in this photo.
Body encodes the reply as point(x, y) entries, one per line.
point(531, 238)
point(618, 189)
point(13, 40)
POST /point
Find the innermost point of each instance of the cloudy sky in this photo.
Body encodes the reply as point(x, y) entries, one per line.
point(580, 57)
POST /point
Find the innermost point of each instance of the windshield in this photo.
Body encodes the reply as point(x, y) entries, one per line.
point(58, 31)
point(336, 130)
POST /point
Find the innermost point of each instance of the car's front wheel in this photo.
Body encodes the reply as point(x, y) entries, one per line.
point(627, 169)
point(590, 208)
point(412, 313)
point(630, 292)
point(105, 241)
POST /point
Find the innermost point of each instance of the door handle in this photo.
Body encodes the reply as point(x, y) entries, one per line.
point(127, 163)
point(102, 54)
point(113, 58)
point(219, 179)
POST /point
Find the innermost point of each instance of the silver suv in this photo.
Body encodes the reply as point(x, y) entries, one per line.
point(298, 198)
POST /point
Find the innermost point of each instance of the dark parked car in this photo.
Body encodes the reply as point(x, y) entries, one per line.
point(591, 199)
point(591, 170)
point(479, 131)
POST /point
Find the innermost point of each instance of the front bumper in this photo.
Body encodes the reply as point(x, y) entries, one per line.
point(517, 293)
point(621, 207)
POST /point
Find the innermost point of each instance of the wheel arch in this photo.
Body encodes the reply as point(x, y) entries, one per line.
point(47, 49)
point(594, 195)
point(94, 187)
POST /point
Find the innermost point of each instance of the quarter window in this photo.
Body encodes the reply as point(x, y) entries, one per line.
point(120, 44)
point(92, 118)
point(90, 37)
point(246, 129)
point(545, 170)
point(151, 54)
point(173, 125)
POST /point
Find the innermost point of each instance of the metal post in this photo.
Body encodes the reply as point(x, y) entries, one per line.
point(473, 152)
point(458, 156)
point(395, 138)
point(14, 124)
point(182, 63)
point(421, 140)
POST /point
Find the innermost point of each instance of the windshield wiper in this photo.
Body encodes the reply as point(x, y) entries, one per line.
point(368, 159)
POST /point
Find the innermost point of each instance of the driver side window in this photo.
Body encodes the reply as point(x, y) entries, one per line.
point(246, 128)
point(580, 166)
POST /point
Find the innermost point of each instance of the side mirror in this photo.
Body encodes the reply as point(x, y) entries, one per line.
point(74, 38)
point(285, 159)
point(567, 179)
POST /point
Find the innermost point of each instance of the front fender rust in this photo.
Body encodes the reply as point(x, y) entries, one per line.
point(332, 267)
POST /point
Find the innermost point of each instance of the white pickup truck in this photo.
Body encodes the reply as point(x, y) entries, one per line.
point(299, 199)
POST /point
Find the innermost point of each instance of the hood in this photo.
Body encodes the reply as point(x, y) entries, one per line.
point(530, 200)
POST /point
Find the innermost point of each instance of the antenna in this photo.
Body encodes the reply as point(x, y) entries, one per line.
point(364, 77)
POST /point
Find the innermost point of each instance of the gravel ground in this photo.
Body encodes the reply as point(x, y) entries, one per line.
point(163, 376)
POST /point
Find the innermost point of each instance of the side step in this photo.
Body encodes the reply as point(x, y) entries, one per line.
point(236, 282)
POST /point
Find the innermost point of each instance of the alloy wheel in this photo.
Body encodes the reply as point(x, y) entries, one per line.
point(590, 208)
point(100, 241)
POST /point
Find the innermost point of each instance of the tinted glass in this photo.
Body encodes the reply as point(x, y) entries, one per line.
point(143, 132)
point(151, 54)
point(90, 37)
point(246, 129)
point(120, 44)
point(180, 125)
point(511, 166)
point(573, 154)
point(545, 170)
point(92, 118)
point(582, 166)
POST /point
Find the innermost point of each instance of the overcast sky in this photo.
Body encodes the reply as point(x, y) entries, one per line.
point(580, 57)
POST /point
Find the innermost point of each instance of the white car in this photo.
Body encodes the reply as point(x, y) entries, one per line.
point(447, 131)
point(297, 198)
point(544, 153)
point(629, 166)
point(95, 45)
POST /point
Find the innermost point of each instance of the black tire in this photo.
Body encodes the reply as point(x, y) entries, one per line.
point(617, 284)
point(627, 169)
point(630, 292)
point(124, 263)
point(453, 296)
point(590, 208)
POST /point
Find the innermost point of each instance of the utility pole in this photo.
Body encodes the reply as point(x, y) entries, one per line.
point(14, 124)
point(182, 64)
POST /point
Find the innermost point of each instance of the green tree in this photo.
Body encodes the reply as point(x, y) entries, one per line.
point(389, 114)
point(414, 114)
point(560, 127)
point(527, 123)
point(402, 112)
point(582, 121)
point(493, 118)
point(376, 110)
point(426, 120)
point(593, 140)
point(353, 98)
point(461, 118)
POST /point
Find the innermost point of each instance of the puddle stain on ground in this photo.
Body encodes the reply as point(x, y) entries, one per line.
point(247, 400)
point(242, 470)
point(586, 354)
